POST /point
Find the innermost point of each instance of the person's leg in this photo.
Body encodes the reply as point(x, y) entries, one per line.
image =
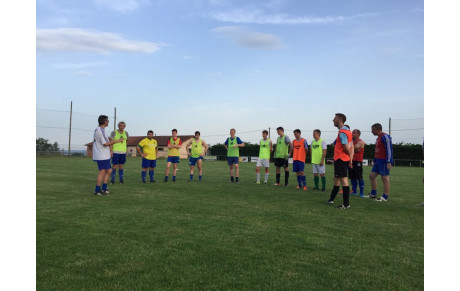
point(168, 165)
point(323, 182)
point(107, 174)
point(192, 170)
point(286, 176)
point(231, 173)
point(373, 180)
point(237, 173)
point(258, 174)
point(200, 169)
point(151, 173)
point(316, 180)
point(100, 177)
point(120, 172)
point(114, 172)
point(144, 174)
point(174, 171)
point(278, 175)
point(346, 191)
point(386, 186)
point(266, 174)
point(335, 190)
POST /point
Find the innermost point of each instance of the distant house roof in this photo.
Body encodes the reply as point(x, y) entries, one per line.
point(162, 140)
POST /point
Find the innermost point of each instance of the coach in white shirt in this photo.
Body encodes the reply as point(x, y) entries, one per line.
point(101, 155)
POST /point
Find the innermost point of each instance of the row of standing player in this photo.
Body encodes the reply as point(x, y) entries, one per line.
point(348, 157)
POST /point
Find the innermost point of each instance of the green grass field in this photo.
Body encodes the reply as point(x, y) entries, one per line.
point(217, 235)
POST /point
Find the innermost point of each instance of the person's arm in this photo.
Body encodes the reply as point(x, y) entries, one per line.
point(239, 143)
point(271, 145)
point(139, 151)
point(225, 144)
point(389, 149)
point(291, 148)
point(205, 150)
point(187, 147)
point(306, 148)
point(178, 146)
point(105, 141)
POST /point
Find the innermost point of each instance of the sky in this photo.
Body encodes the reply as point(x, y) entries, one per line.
point(212, 65)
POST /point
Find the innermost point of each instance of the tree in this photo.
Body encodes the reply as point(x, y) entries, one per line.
point(44, 146)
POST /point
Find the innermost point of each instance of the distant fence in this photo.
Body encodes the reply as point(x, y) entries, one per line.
point(81, 155)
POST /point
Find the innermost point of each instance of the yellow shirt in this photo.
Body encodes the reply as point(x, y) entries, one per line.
point(149, 147)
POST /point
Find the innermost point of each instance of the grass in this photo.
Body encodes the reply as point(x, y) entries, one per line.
point(216, 235)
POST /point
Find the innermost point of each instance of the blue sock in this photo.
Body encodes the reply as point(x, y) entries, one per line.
point(200, 177)
point(304, 179)
point(98, 188)
point(114, 172)
point(166, 178)
point(120, 174)
point(373, 192)
point(361, 186)
point(104, 187)
point(151, 175)
point(144, 174)
point(191, 177)
point(299, 180)
point(354, 185)
point(385, 196)
point(174, 178)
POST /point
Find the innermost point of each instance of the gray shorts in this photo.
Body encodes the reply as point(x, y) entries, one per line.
point(263, 163)
point(317, 169)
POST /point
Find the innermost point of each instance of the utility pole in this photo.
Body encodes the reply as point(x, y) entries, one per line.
point(115, 120)
point(269, 132)
point(389, 127)
point(70, 126)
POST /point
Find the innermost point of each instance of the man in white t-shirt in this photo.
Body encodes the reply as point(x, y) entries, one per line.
point(101, 155)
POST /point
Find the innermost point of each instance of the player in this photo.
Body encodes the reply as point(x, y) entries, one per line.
point(300, 146)
point(318, 156)
point(283, 151)
point(101, 155)
point(174, 144)
point(342, 158)
point(119, 151)
point(149, 153)
point(232, 145)
point(196, 155)
point(355, 173)
point(383, 160)
point(265, 149)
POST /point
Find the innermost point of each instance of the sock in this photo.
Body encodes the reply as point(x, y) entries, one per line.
point(286, 177)
point(354, 185)
point(114, 171)
point(334, 192)
point(231, 178)
point(144, 174)
point(385, 196)
point(316, 180)
point(191, 177)
point(304, 180)
point(166, 178)
point(237, 179)
point(151, 175)
point(200, 177)
point(266, 177)
point(278, 178)
point(361, 187)
point(346, 195)
point(258, 177)
point(299, 180)
point(373, 192)
point(323, 182)
point(120, 174)
point(98, 188)
point(174, 178)
point(104, 187)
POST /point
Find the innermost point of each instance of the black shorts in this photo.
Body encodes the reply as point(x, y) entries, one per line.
point(357, 172)
point(280, 162)
point(340, 169)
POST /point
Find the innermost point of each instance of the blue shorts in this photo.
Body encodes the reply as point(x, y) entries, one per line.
point(173, 160)
point(380, 166)
point(192, 161)
point(233, 160)
point(104, 165)
point(118, 159)
point(298, 166)
point(148, 163)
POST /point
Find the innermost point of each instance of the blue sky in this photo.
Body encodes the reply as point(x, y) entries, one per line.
point(211, 65)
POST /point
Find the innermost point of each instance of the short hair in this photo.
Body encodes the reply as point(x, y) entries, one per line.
point(150, 131)
point(280, 128)
point(265, 131)
point(174, 130)
point(298, 131)
point(341, 116)
point(358, 131)
point(232, 129)
point(102, 118)
point(377, 126)
point(121, 122)
point(197, 132)
point(317, 131)
point(347, 126)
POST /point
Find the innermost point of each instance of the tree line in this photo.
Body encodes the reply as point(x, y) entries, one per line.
point(43, 145)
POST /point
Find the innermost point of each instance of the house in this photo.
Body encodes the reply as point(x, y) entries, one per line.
point(162, 141)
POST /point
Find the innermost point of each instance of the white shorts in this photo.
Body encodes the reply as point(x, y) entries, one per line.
point(317, 169)
point(263, 163)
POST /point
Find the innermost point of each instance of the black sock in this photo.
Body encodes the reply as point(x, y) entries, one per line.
point(286, 177)
point(346, 195)
point(278, 177)
point(231, 178)
point(237, 179)
point(334, 192)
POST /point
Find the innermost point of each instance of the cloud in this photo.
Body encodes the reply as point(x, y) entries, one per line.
point(76, 39)
point(249, 38)
point(78, 65)
point(259, 17)
point(123, 6)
